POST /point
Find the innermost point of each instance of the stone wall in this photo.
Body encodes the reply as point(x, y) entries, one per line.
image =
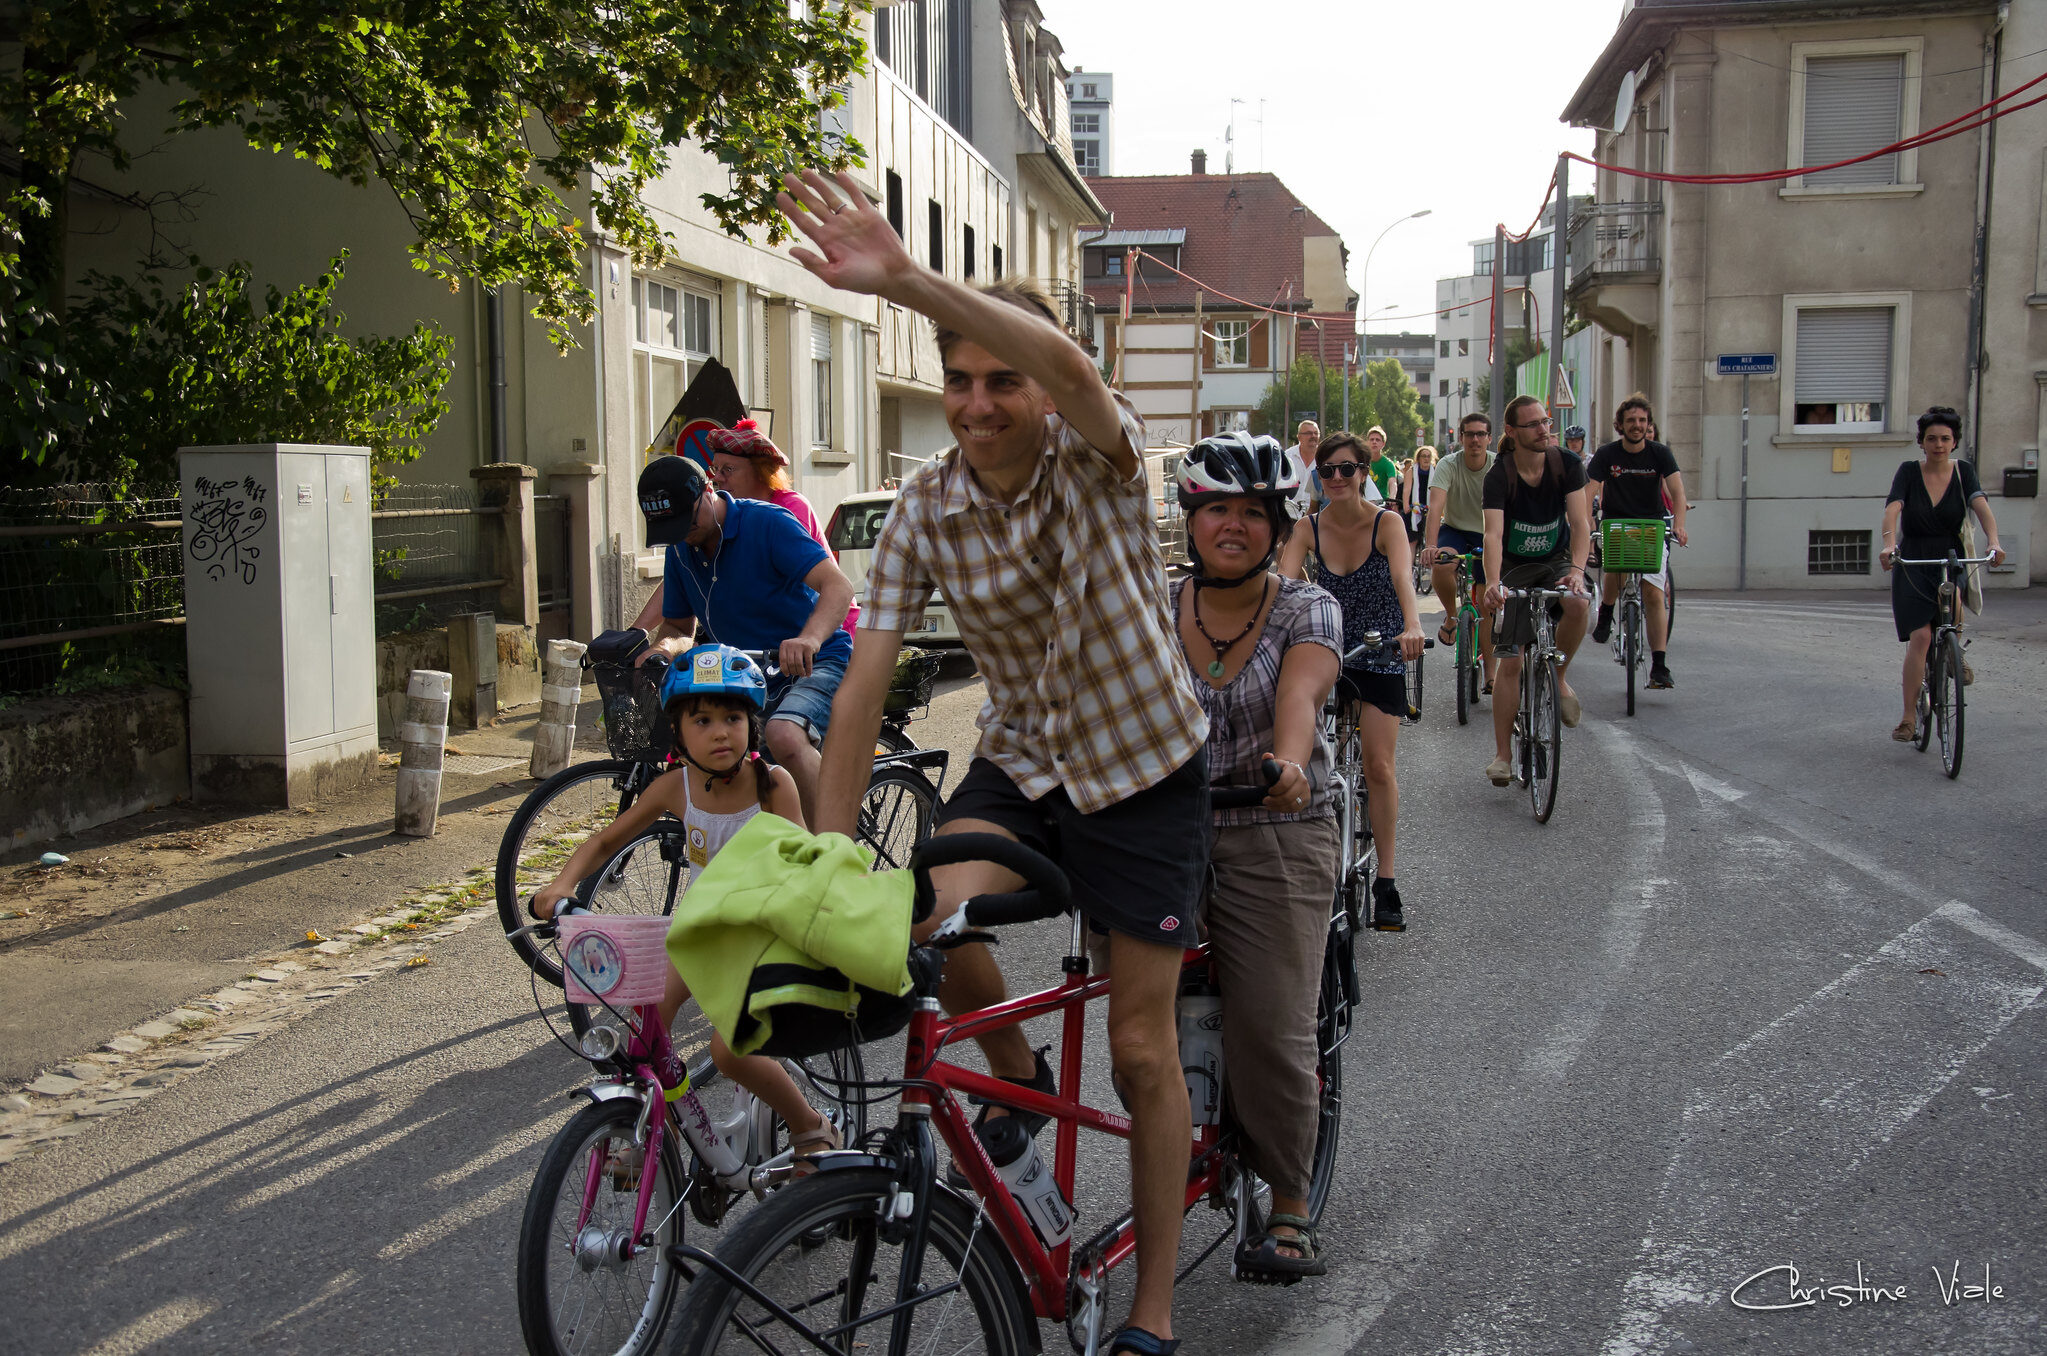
point(519, 661)
point(69, 763)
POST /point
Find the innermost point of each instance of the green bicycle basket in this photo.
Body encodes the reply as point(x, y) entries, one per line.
point(1632, 545)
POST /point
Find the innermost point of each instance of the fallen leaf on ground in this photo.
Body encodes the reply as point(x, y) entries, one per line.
point(313, 935)
point(418, 961)
point(1934, 970)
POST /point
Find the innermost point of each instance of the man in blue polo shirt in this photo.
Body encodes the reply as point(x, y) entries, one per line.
point(756, 580)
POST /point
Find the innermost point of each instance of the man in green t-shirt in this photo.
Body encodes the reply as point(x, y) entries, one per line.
point(1384, 470)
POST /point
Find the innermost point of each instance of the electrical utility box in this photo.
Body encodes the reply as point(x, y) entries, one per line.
point(280, 629)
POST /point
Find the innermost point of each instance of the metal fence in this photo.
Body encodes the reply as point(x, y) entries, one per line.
point(92, 588)
point(433, 556)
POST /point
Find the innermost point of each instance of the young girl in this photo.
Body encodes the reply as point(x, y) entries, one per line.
point(715, 696)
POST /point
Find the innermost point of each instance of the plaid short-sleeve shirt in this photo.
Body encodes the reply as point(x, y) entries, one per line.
point(1060, 597)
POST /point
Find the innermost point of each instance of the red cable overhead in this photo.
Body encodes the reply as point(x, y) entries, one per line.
point(1954, 127)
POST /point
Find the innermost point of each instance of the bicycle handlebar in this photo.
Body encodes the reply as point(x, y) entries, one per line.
point(1946, 560)
point(1245, 797)
point(1046, 892)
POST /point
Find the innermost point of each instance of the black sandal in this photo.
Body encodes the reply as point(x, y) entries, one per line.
point(1142, 1343)
point(1260, 1262)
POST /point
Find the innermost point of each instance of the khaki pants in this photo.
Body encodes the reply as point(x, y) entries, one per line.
point(1268, 925)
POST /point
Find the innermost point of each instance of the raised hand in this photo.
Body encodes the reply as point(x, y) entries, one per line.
point(856, 247)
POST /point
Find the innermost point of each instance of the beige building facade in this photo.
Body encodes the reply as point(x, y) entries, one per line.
point(849, 386)
point(1864, 281)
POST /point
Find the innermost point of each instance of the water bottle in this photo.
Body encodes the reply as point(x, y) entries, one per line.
point(1200, 1019)
point(1023, 1170)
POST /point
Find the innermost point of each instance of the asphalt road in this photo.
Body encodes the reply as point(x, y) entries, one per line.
point(1763, 994)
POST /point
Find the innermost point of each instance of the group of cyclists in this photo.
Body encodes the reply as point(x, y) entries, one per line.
point(1116, 700)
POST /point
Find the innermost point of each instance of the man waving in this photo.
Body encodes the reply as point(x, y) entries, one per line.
point(1038, 529)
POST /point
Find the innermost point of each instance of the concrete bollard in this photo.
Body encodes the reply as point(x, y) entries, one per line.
point(422, 735)
point(561, 692)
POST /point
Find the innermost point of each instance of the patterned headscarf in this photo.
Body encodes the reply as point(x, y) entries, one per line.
point(745, 439)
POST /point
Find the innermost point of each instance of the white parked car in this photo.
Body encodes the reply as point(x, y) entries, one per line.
point(855, 523)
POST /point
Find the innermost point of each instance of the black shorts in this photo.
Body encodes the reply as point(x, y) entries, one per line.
point(1138, 867)
point(1387, 691)
point(1516, 626)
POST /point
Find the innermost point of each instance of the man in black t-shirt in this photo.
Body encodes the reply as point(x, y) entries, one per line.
point(1637, 477)
point(1538, 534)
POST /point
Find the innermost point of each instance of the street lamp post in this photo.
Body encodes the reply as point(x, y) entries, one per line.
point(1364, 282)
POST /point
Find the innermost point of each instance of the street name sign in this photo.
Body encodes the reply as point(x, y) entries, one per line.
point(1748, 365)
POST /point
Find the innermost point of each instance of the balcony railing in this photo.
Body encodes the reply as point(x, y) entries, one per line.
point(1076, 311)
point(1616, 239)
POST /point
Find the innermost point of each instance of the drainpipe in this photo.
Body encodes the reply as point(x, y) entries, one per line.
point(494, 320)
point(1993, 49)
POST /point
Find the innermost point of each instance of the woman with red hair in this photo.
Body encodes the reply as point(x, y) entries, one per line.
point(746, 464)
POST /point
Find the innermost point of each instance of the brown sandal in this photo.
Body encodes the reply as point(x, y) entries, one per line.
point(805, 1148)
point(1906, 732)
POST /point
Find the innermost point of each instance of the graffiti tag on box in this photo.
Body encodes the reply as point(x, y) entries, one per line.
point(225, 522)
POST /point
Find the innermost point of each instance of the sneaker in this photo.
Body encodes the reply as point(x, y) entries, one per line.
point(1042, 1080)
point(1659, 677)
point(1386, 915)
point(1603, 631)
point(1499, 773)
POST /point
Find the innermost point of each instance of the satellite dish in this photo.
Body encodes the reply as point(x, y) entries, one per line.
point(1624, 103)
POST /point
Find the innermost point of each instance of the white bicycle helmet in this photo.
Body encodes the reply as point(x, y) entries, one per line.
point(1228, 465)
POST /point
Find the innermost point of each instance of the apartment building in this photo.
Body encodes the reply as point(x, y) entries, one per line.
point(1196, 359)
point(1864, 280)
point(1091, 101)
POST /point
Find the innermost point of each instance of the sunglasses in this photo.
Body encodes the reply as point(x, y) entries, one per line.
point(1333, 469)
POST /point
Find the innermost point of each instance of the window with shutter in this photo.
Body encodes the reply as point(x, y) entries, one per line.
point(821, 380)
point(1842, 372)
point(1853, 105)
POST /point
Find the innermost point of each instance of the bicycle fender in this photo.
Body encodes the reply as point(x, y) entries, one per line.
point(609, 1092)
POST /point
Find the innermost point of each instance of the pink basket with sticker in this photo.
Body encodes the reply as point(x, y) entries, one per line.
point(620, 959)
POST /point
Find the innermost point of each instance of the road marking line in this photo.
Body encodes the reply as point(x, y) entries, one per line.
point(1795, 1080)
point(1627, 914)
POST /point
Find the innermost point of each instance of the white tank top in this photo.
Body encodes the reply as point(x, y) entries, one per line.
point(708, 832)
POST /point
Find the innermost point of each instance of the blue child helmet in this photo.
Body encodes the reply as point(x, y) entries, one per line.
point(714, 669)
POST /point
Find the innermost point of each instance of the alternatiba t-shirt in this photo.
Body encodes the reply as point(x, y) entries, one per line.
point(1537, 526)
point(1633, 480)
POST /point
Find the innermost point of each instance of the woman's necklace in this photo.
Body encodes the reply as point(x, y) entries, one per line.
point(1222, 647)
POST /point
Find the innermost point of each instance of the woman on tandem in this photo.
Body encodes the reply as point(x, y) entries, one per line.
point(1263, 654)
point(1930, 500)
point(1358, 552)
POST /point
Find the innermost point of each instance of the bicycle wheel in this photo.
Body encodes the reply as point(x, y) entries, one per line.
point(577, 1293)
point(1329, 1074)
point(1631, 650)
point(555, 816)
point(895, 815)
point(1467, 692)
point(1364, 848)
point(1948, 706)
point(812, 1249)
point(1545, 743)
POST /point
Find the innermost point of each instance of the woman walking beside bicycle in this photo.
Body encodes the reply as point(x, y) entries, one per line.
point(1376, 594)
point(1929, 502)
point(1262, 652)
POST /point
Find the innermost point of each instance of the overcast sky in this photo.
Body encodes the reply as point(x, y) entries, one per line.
point(1373, 110)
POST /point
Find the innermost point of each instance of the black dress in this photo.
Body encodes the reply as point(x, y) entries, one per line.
point(1926, 531)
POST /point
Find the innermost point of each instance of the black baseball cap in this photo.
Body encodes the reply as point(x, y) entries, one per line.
point(669, 490)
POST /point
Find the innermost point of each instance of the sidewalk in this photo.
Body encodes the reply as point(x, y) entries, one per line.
point(155, 909)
